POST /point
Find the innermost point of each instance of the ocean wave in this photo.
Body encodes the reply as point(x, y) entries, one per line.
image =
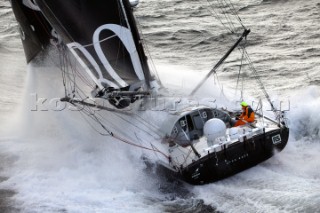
point(152, 16)
point(274, 1)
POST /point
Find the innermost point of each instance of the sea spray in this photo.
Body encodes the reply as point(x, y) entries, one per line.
point(304, 114)
point(60, 159)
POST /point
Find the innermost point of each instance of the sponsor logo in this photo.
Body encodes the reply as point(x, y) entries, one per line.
point(195, 174)
point(276, 139)
point(124, 34)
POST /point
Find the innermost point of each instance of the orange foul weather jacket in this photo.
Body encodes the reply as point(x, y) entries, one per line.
point(247, 116)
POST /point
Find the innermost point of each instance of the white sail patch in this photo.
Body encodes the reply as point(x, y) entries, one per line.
point(126, 38)
point(31, 4)
point(98, 81)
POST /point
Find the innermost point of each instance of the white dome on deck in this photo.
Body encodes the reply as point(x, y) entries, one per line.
point(213, 129)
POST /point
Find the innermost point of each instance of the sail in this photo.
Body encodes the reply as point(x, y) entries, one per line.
point(103, 36)
point(36, 32)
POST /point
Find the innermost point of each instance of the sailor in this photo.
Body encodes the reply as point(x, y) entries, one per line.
point(247, 115)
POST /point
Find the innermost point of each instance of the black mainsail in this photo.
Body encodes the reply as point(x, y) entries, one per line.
point(102, 35)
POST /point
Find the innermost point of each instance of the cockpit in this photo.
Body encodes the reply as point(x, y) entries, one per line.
point(189, 126)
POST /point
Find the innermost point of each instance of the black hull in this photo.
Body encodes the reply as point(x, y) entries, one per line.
point(235, 158)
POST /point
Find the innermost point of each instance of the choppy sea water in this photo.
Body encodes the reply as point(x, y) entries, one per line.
point(52, 162)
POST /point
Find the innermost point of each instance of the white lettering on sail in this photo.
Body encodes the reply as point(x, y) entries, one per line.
point(31, 4)
point(125, 36)
point(75, 45)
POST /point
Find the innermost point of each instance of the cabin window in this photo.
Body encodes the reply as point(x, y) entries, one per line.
point(183, 123)
point(175, 131)
point(190, 123)
point(198, 122)
point(209, 114)
point(215, 114)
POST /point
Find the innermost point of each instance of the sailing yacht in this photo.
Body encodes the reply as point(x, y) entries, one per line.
point(99, 44)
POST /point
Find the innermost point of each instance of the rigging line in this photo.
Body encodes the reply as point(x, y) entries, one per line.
point(229, 22)
point(146, 47)
point(67, 75)
point(71, 75)
point(124, 20)
point(149, 124)
point(233, 17)
point(242, 88)
point(92, 115)
point(129, 122)
point(139, 146)
point(259, 81)
point(187, 156)
point(84, 115)
point(62, 71)
point(174, 139)
point(78, 89)
point(154, 148)
point(75, 72)
point(87, 111)
point(146, 124)
point(242, 57)
point(121, 139)
point(91, 105)
point(227, 15)
point(100, 41)
point(259, 107)
point(118, 115)
point(79, 95)
point(216, 15)
point(124, 14)
point(118, 53)
point(217, 81)
point(63, 66)
point(231, 9)
point(157, 150)
point(65, 63)
point(218, 64)
point(236, 14)
point(57, 20)
point(46, 29)
point(181, 142)
point(85, 80)
point(119, 44)
point(143, 122)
